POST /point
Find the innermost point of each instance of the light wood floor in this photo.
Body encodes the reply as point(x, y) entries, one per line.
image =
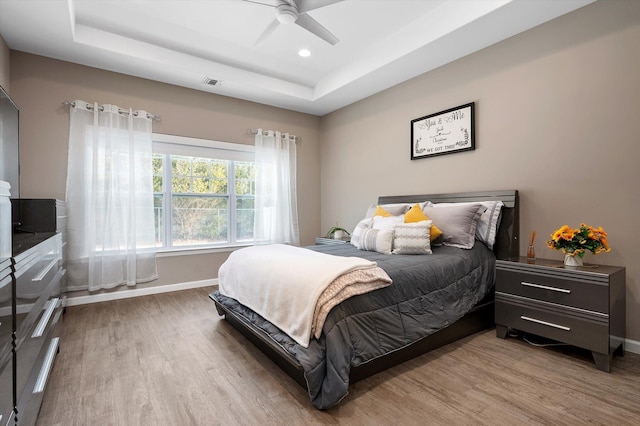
point(170, 360)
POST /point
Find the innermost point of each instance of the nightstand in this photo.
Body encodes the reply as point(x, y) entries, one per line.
point(322, 240)
point(583, 306)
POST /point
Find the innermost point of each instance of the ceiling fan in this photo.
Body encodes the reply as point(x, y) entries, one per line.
point(295, 11)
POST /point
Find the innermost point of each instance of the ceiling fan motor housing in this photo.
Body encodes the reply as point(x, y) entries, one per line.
point(286, 13)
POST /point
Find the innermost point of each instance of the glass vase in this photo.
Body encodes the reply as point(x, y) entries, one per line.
point(531, 254)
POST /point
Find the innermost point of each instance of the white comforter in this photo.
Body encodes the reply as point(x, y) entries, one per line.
point(283, 283)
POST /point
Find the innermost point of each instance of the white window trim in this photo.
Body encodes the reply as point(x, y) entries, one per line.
point(205, 143)
point(188, 251)
point(191, 147)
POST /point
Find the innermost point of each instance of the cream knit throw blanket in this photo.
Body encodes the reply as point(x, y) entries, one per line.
point(284, 283)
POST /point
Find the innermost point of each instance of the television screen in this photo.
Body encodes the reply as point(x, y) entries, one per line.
point(9, 157)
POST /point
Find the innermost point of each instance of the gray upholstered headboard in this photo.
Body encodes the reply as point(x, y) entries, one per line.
point(508, 237)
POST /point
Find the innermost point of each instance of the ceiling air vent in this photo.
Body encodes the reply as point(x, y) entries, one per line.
point(211, 82)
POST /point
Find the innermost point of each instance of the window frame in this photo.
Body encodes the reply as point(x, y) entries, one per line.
point(194, 147)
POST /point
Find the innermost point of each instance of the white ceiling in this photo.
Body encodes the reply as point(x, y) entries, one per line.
point(382, 42)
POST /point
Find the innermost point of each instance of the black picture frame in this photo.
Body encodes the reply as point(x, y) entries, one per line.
point(444, 132)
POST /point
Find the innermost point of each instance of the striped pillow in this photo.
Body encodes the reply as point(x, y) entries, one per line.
point(356, 235)
point(380, 240)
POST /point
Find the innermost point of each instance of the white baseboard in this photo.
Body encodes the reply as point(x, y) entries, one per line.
point(137, 292)
point(632, 346)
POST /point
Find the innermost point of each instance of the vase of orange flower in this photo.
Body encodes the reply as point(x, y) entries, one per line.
point(574, 242)
point(573, 260)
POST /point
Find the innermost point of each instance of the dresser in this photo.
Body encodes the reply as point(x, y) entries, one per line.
point(583, 306)
point(6, 338)
point(39, 285)
point(32, 286)
point(6, 307)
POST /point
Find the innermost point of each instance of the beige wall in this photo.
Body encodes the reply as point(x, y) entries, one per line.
point(4, 64)
point(556, 118)
point(39, 85)
point(557, 112)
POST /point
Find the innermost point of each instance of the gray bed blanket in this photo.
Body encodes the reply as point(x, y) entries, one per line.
point(429, 292)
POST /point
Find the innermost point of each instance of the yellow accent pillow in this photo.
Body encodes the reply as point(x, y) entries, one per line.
point(435, 231)
point(381, 212)
point(415, 214)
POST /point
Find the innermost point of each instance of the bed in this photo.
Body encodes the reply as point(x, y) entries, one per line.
point(371, 332)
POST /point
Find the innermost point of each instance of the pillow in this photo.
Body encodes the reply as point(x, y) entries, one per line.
point(380, 211)
point(379, 240)
point(457, 222)
point(415, 214)
point(487, 227)
point(435, 231)
point(356, 235)
point(380, 222)
point(412, 238)
point(392, 209)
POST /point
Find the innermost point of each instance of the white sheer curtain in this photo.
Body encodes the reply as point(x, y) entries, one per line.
point(110, 217)
point(276, 204)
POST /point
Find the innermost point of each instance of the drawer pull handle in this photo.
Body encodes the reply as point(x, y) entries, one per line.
point(544, 287)
point(41, 383)
point(46, 269)
point(550, 324)
point(39, 331)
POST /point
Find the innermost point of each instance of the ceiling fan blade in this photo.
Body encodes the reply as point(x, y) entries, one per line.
point(307, 5)
point(261, 3)
point(311, 25)
point(266, 33)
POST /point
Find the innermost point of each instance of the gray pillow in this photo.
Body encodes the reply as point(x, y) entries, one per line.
point(487, 228)
point(457, 223)
point(393, 209)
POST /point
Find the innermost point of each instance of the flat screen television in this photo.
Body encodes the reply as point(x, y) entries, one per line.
point(9, 143)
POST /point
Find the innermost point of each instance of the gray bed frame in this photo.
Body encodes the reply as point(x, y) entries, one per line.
point(479, 318)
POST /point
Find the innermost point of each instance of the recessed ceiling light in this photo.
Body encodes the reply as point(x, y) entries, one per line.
point(305, 53)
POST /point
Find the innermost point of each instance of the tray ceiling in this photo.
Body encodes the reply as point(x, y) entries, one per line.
point(381, 42)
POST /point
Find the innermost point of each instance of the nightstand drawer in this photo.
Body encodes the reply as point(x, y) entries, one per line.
point(589, 295)
point(589, 330)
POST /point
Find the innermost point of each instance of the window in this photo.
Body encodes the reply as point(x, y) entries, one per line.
point(204, 192)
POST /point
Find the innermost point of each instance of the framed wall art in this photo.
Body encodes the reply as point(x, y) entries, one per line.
point(444, 132)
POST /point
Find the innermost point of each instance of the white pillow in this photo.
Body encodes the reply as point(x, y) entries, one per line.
point(412, 238)
point(457, 222)
point(386, 222)
point(356, 235)
point(380, 240)
point(487, 227)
